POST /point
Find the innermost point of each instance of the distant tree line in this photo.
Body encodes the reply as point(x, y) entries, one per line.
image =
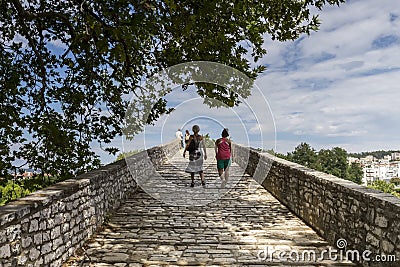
point(377, 154)
point(332, 161)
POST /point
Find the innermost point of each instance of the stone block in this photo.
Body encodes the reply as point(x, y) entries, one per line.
point(69, 206)
point(57, 262)
point(67, 217)
point(72, 223)
point(5, 251)
point(3, 236)
point(55, 232)
point(22, 260)
point(36, 215)
point(58, 219)
point(46, 248)
point(46, 213)
point(377, 231)
point(49, 258)
point(13, 232)
point(50, 223)
point(33, 254)
point(26, 241)
point(15, 247)
point(381, 221)
point(39, 262)
point(25, 226)
point(372, 240)
point(38, 238)
point(61, 207)
point(59, 252)
point(42, 225)
point(387, 247)
point(65, 228)
point(46, 236)
point(34, 226)
point(57, 242)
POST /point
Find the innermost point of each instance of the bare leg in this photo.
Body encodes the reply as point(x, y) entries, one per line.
point(220, 172)
point(221, 176)
point(192, 176)
point(226, 174)
point(202, 178)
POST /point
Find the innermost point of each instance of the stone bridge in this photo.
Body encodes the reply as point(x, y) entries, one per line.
point(270, 213)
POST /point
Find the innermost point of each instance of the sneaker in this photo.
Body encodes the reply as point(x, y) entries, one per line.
point(203, 183)
point(192, 184)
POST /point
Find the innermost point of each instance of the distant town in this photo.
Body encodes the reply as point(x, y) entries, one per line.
point(386, 168)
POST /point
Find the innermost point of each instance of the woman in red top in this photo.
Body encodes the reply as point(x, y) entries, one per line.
point(223, 150)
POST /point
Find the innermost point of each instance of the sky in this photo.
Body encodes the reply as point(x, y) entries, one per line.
point(340, 85)
point(337, 87)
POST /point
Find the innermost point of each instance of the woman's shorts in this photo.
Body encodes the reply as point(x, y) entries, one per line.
point(223, 163)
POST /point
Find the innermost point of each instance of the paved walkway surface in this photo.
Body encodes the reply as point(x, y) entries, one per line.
point(242, 228)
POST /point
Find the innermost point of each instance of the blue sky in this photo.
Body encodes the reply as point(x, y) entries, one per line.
point(337, 87)
point(340, 85)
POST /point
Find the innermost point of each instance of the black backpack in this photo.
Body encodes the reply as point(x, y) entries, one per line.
point(194, 145)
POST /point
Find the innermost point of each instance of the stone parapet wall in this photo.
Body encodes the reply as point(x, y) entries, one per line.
point(337, 209)
point(46, 227)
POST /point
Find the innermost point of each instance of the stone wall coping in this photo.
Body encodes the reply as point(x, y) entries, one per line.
point(17, 209)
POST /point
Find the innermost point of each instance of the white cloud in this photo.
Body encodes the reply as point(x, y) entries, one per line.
point(339, 87)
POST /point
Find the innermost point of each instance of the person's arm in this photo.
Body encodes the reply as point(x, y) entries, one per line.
point(187, 146)
point(230, 147)
point(216, 148)
point(204, 148)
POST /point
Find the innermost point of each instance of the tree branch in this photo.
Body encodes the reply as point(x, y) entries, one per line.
point(33, 45)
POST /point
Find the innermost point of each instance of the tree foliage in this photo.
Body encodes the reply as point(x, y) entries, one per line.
point(395, 181)
point(304, 154)
point(67, 66)
point(208, 141)
point(332, 161)
point(355, 173)
point(16, 188)
point(124, 155)
point(384, 187)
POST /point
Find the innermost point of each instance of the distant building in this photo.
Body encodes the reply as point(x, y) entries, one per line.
point(395, 156)
point(351, 160)
point(370, 174)
point(384, 160)
point(25, 175)
point(388, 158)
point(368, 160)
point(384, 170)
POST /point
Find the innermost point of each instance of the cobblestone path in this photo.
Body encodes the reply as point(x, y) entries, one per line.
point(235, 230)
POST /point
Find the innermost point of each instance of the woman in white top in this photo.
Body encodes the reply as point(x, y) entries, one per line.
point(195, 146)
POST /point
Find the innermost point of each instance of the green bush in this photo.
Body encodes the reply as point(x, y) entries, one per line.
point(384, 187)
point(127, 154)
point(11, 191)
